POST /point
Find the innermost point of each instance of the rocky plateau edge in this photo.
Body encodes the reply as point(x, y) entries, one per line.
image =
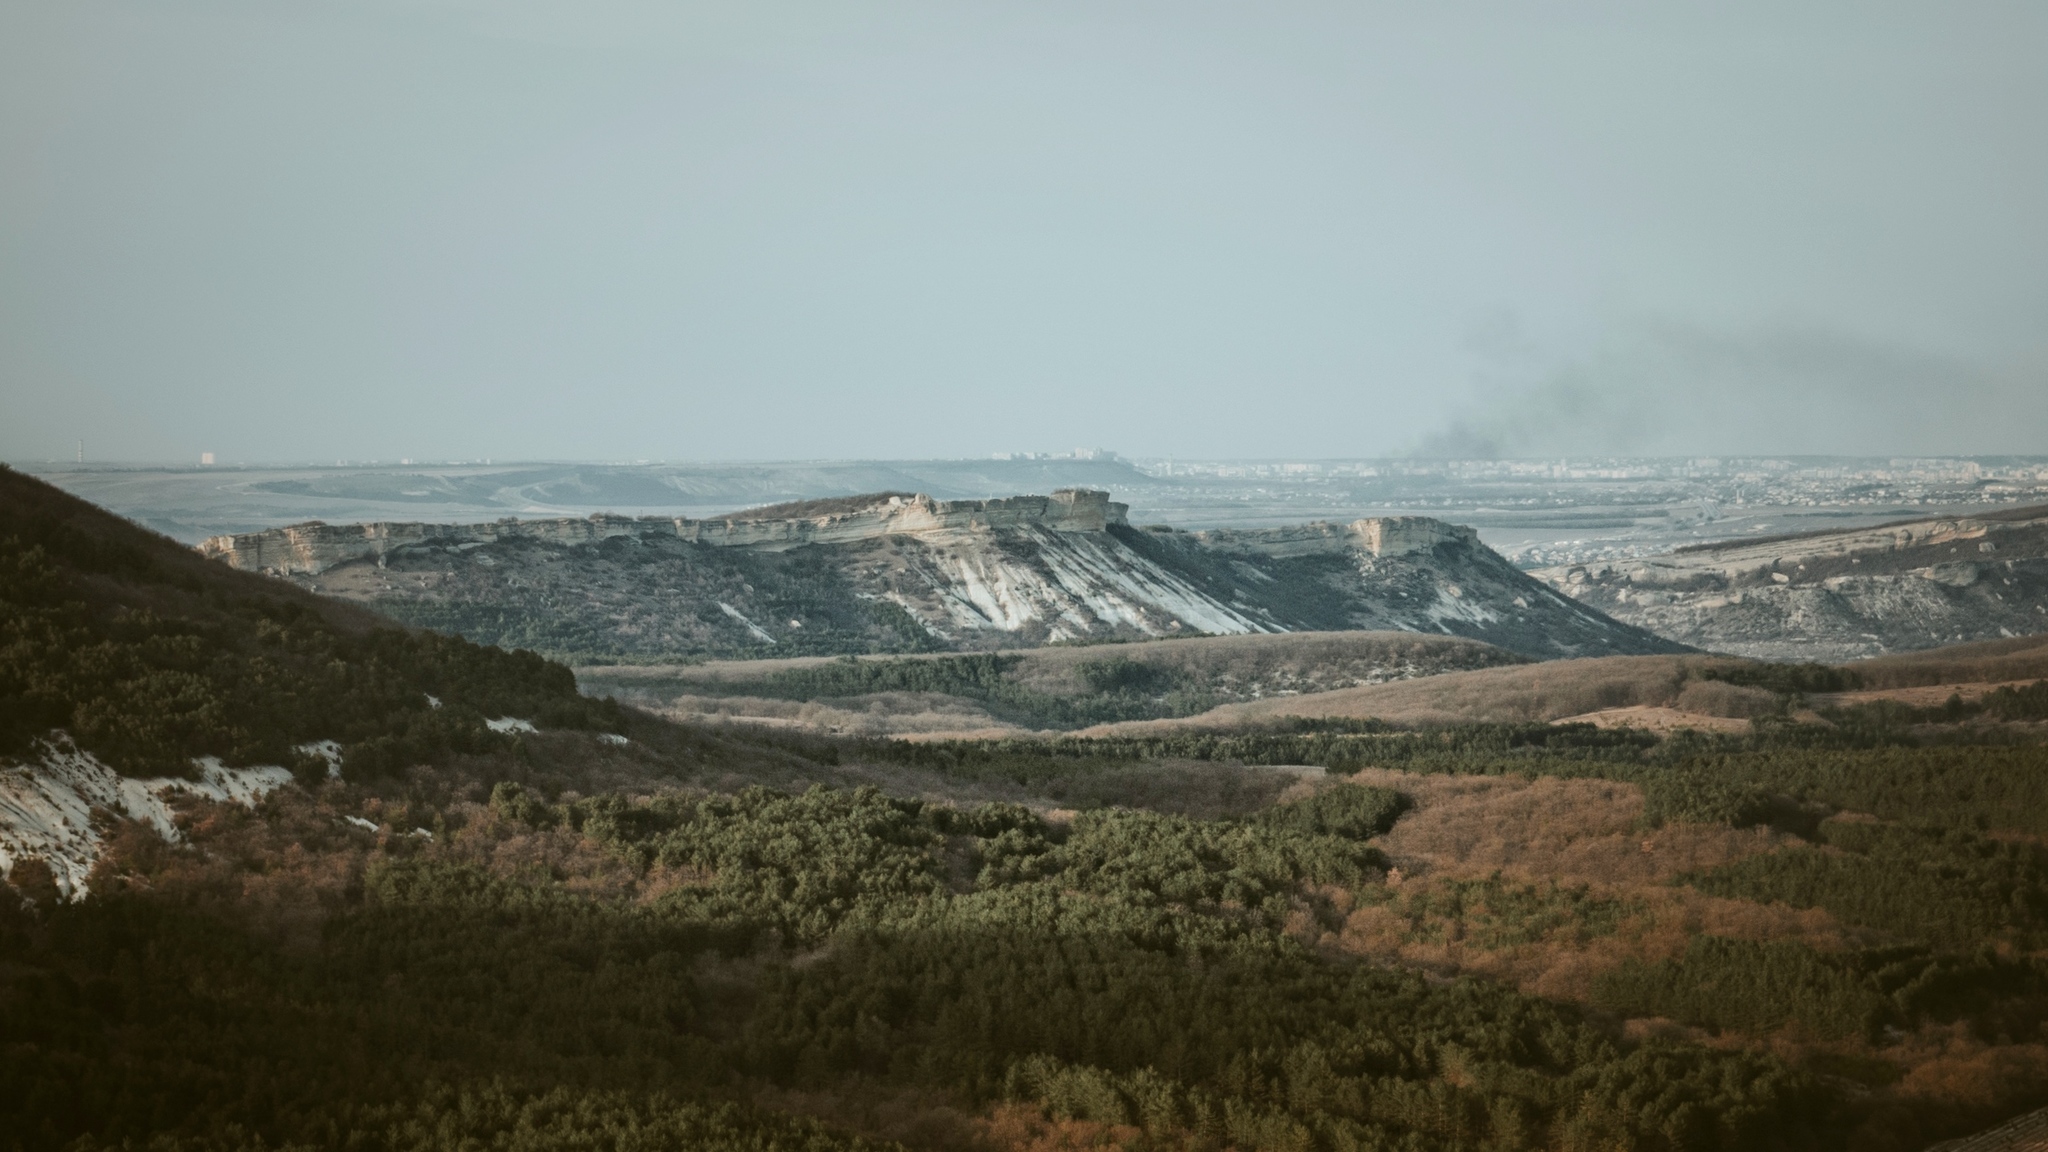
point(909, 573)
point(1835, 596)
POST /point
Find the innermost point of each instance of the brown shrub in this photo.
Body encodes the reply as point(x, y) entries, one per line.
point(1529, 693)
point(33, 883)
point(1023, 1128)
point(921, 1119)
point(1575, 833)
point(1571, 831)
point(1954, 1084)
point(2022, 658)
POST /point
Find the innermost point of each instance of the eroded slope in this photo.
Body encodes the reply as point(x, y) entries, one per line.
point(904, 575)
point(1839, 595)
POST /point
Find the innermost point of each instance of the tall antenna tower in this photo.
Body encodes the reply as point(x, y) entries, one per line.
point(81, 451)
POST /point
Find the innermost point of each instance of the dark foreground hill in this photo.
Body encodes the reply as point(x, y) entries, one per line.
point(574, 926)
point(891, 573)
point(147, 656)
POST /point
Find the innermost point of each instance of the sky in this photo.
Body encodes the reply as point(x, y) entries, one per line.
point(616, 229)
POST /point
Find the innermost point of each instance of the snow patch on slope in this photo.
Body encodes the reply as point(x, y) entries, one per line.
point(47, 806)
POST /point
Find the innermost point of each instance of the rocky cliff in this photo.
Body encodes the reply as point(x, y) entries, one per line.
point(909, 573)
point(314, 547)
point(1836, 595)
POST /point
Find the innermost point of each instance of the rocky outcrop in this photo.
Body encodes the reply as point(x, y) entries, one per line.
point(1836, 595)
point(1402, 573)
point(1379, 536)
point(314, 547)
point(900, 572)
point(53, 805)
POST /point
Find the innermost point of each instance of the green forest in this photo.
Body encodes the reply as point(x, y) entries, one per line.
point(1124, 969)
point(147, 657)
point(1128, 969)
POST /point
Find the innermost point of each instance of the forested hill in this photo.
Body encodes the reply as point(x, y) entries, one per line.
point(1324, 937)
point(147, 656)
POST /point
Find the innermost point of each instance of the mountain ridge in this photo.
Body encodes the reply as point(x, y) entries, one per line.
point(889, 573)
point(1843, 595)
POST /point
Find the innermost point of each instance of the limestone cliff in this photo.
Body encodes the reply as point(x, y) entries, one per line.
point(1836, 595)
point(896, 572)
point(313, 547)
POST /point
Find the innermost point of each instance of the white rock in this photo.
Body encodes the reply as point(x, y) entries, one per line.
point(47, 806)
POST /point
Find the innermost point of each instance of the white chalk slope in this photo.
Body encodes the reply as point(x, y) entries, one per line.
point(1078, 585)
point(55, 806)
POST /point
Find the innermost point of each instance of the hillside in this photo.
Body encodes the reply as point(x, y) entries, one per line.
point(1836, 595)
point(352, 886)
point(131, 668)
point(1040, 688)
point(1707, 693)
point(1983, 661)
point(896, 574)
point(1535, 693)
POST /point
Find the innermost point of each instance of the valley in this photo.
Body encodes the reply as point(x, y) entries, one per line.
point(1061, 687)
point(1102, 577)
point(1361, 888)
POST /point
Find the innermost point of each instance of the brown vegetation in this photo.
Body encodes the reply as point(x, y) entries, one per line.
point(1289, 665)
point(1522, 694)
point(1987, 661)
point(904, 714)
point(1571, 831)
point(1290, 661)
point(1656, 692)
point(1655, 719)
point(1549, 834)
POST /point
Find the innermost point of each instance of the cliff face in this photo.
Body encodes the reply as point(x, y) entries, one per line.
point(1405, 573)
point(1384, 536)
point(912, 573)
point(312, 548)
point(1836, 596)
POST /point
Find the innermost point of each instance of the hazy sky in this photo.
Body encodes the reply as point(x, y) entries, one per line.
point(613, 229)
